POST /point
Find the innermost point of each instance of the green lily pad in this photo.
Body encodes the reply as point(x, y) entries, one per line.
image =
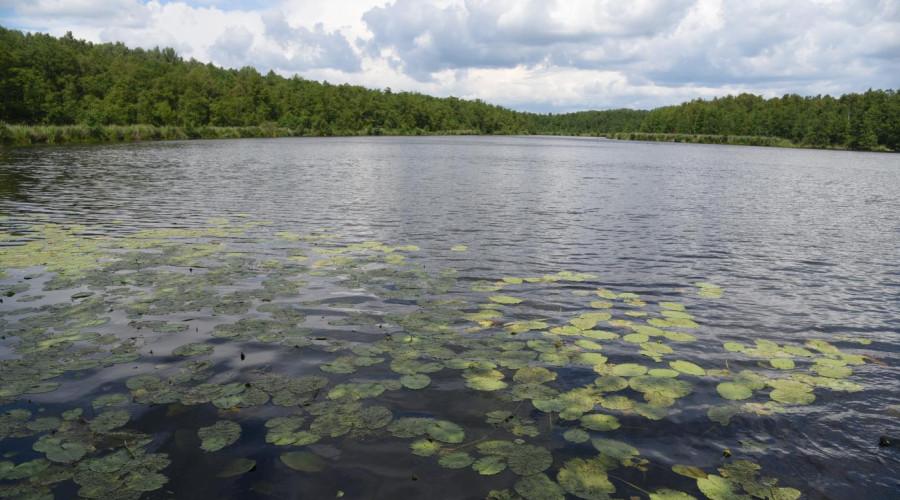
point(505, 299)
point(600, 422)
point(717, 488)
point(667, 494)
point(24, 470)
point(489, 465)
point(688, 368)
point(734, 391)
point(61, 450)
point(586, 478)
point(195, 349)
point(782, 363)
point(690, 471)
point(416, 381)
point(629, 370)
point(425, 447)
point(722, 414)
point(831, 371)
point(615, 449)
point(303, 461)
point(576, 435)
point(237, 467)
point(792, 396)
point(110, 400)
point(534, 375)
point(219, 435)
point(109, 420)
point(539, 487)
point(525, 459)
point(456, 460)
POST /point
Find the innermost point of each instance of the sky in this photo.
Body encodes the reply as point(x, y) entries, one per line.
point(533, 55)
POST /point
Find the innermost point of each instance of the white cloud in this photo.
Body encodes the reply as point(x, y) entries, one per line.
point(529, 54)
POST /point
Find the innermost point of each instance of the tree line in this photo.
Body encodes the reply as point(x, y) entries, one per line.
point(49, 81)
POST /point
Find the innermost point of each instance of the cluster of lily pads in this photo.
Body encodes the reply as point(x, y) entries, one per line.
point(508, 338)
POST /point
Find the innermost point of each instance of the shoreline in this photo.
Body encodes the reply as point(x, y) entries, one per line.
point(56, 135)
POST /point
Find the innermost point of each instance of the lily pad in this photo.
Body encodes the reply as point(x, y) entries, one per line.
point(425, 447)
point(195, 349)
point(733, 391)
point(688, 368)
point(416, 381)
point(456, 460)
point(237, 467)
point(539, 487)
point(505, 299)
point(303, 461)
point(576, 435)
point(489, 465)
point(629, 370)
point(219, 435)
point(586, 478)
point(600, 422)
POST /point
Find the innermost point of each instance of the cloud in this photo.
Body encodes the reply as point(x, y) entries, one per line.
point(203, 30)
point(502, 33)
point(298, 49)
point(544, 55)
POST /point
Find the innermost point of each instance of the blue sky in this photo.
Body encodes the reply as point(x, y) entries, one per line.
point(539, 55)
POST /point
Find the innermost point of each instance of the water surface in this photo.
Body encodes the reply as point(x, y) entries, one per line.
point(364, 260)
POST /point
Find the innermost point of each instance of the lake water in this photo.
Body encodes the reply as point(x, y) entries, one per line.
point(448, 317)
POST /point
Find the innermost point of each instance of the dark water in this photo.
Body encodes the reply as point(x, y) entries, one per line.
point(804, 244)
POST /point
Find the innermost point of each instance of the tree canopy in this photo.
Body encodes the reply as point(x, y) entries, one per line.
point(46, 80)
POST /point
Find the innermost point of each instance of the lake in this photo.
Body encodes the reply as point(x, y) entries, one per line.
point(448, 317)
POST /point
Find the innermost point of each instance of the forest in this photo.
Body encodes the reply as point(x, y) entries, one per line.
point(63, 89)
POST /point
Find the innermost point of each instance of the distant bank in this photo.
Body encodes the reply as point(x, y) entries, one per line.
point(33, 135)
point(64, 90)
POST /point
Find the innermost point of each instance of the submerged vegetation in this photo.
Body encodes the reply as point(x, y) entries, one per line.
point(58, 90)
point(544, 396)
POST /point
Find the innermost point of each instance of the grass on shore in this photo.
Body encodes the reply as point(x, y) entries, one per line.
point(27, 135)
point(742, 140)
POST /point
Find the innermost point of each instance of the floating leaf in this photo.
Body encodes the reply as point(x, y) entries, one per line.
point(416, 381)
point(615, 449)
point(629, 370)
point(490, 465)
point(782, 363)
point(688, 368)
point(534, 375)
point(667, 494)
point(456, 460)
point(722, 414)
point(539, 487)
point(505, 299)
point(689, 471)
point(303, 461)
point(109, 420)
point(576, 435)
point(733, 391)
point(600, 422)
point(526, 460)
point(195, 349)
point(586, 478)
point(61, 450)
point(425, 447)
point(237, 467)
point(219, 435)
